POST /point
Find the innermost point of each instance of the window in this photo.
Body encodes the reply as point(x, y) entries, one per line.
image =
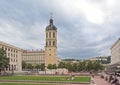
point(8, 49)
point(49, 43)
point(5, 48)
point(53, 43)
point(46, 35)
point(49, 34)
point(53, 34)
point(46, 43)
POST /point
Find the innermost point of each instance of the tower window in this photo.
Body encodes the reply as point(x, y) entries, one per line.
point(46, 43)
point(54, 34)
point(46, 35)
point(50, 34)
point(53, 43)
point(49, 43)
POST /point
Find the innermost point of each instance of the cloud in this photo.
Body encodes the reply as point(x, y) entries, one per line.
point(85, 28)
point(22, 36)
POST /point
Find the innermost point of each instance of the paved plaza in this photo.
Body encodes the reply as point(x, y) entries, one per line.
point(100, 81)
point(97, 81)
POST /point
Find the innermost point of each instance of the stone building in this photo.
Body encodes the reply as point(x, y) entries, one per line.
point(33, 57)
point(14, 53)
point(115, 52)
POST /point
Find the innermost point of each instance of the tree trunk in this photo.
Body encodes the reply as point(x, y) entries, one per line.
point(0, 71)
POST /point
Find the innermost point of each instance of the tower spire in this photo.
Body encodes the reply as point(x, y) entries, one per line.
point(51, 20)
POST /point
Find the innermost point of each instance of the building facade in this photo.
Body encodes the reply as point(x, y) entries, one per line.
point(102, 59)
point(14, 54)
point(115, 52)
point(33, 57)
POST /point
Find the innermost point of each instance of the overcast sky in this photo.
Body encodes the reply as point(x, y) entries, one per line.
point(86, 28)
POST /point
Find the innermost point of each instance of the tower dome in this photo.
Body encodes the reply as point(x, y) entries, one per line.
point(51, 26)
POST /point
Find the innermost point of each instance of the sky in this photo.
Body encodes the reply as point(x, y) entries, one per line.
point(86, 28)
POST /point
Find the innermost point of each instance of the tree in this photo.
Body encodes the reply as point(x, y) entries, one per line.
point(54, 66)
point(61, 65)
point(29, 66)
point(89, 66)
point(50, 66)
point(24, 65)
point(83, 65)
point(97, 66)
point(42, 67)
point(80, 66)
point(108, 59)
point(4, 61)
point(69, 67)
point(38, 66)
point(75, 67)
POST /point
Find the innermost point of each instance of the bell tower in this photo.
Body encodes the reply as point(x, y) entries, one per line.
point(51, 44)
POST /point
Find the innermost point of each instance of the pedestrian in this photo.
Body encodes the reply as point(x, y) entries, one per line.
point(110, 78)
point(92, 80)
point(115, 81)
point(92, 75)
point(106, 78)
point(73, 77)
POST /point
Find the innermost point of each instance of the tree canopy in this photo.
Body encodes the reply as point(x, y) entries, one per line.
point(85, 65)
point(4, 61)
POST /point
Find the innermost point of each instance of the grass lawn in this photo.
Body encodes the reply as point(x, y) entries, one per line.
point(48, 78)
point(23, 84)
